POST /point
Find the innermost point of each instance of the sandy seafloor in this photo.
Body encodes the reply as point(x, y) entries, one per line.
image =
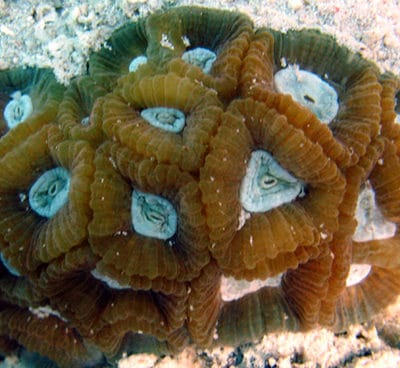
point(61, 35)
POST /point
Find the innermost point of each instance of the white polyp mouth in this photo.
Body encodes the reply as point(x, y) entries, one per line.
point(309, 90)
point(201, 57)
point(49, 193)
point(18, 109)
point(165, 118)
point(371, 224)
point(232, 289)
point(153, 216)
point(136, 63)
point(267, 185)
point(357, 273)
point(85, 121)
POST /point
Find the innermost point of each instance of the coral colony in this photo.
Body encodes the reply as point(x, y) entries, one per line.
point(197, 149)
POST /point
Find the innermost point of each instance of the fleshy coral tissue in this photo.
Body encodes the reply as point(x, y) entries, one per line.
point(196, 152)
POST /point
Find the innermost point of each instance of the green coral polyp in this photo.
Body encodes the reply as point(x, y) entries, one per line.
point(168, 119)
point(201, 57)
point(153, 216)
point(137, 62)
point(50, 192)
point(309, 90)
point(267, 185)
point(18, 109)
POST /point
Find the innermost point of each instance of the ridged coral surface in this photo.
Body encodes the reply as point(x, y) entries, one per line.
point(193, 152)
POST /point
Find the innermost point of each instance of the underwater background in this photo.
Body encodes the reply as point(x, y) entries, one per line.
point(62, 34)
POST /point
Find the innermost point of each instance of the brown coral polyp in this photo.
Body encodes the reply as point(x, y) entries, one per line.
point(362, 301)
point(103, 312)
point(42, 91)
point(204, 305)
point(321, 307)
point(152, 313)
point(390, 107)
point(262, 312)
point(250, 249)
point(384, 180)
point(80, 113)
point(60, 342)
point(127, 253)
point(354, 79)
point(200, 106)
point(24, 231)
point(227, 35)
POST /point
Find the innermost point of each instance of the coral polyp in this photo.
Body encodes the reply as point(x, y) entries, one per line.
point(18, 109)
point(201, 57)
point(169, 119)
point(49, 192)
point(266, 185)
point(308, 90)
point(153, 216)
point(197, 151)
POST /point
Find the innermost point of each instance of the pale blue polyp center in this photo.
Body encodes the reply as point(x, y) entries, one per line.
point(266, 184)
point(7, 265)
point(201, 57)
point(309, 90)
point(166, 118)
point(136, 62)
point(50, 192)
point(153, 216)
point(18, 109)
point(85, 121)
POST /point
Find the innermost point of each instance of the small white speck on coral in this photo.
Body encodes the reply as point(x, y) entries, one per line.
point(165, 42)
point(185, 40)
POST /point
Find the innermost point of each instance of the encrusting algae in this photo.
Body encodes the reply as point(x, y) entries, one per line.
point(197, 148)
